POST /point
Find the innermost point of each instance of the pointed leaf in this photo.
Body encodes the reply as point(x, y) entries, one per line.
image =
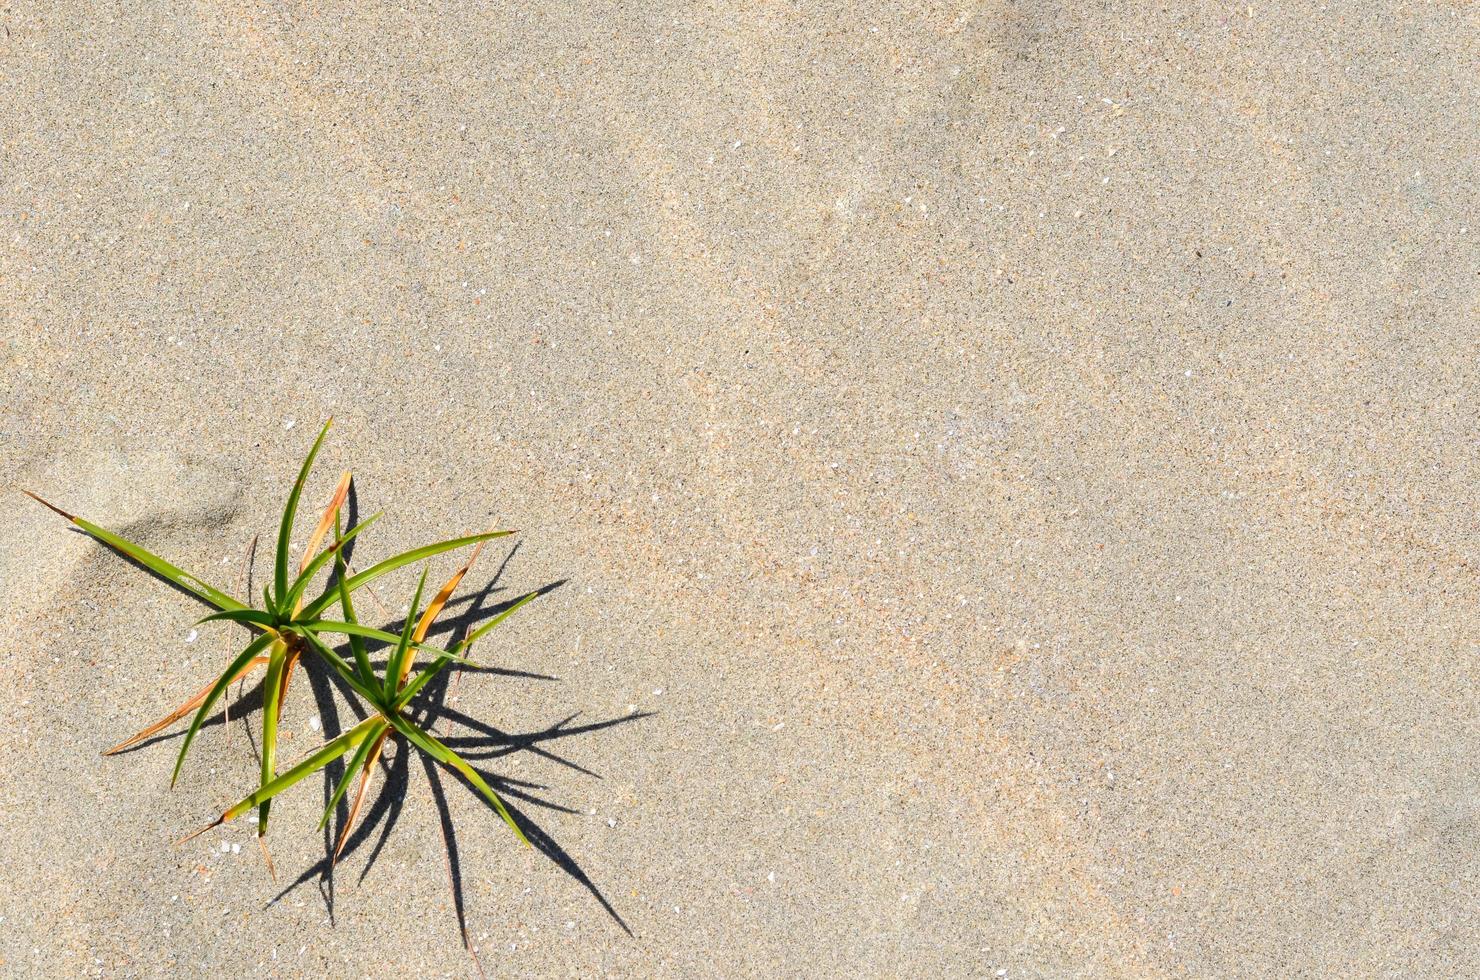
point(295, 592)
point(405, 558)
point(424, 741)
point(439, 601)
point(217, 689)
point(208, 594)
point(434, 608)
point(181, 711)
point(420, 680)
point(366, 774)
point(247, 617)
point(361, 754)
point(285, 530)
point(474, 636)
point(326, 520)
point(313, 763)
point(403, 644)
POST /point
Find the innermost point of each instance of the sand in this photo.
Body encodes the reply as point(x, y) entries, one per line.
point(1022, 455)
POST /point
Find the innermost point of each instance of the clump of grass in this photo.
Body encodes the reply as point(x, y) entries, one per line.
point(287, 624)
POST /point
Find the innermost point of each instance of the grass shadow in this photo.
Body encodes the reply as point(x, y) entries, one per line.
point(430, 709)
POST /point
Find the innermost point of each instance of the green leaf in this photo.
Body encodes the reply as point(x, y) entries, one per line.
point(391, 564)
point(420, 680)
point(272, 693)
point(371, 633)
point(310, 765)
point(285, 531)
point(322, 558)
point(362, 660)
point(403, 643)
point(474, 636)
point(208, 594)
point(247, 617)
point(355, 763)
point(424, 741)
point(222, 682)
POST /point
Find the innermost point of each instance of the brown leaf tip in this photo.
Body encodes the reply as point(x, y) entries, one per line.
point(192, 836)
point(50, 506)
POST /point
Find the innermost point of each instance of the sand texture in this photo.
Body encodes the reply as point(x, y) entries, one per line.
point(1013, 468)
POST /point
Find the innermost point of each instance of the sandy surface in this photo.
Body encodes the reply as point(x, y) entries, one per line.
point(1024, 454)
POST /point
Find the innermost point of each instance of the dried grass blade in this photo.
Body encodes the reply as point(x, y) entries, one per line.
point(435, 608)
point(326, 520)
point(183, 710)
point(219, 687)
point(354, 809)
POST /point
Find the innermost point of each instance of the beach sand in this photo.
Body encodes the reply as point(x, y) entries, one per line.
point(1012, 467)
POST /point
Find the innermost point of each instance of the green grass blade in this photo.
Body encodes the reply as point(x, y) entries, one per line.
point(328, 554)
point(355, 763)
point(362, 660)
point(247, 617)
point(405, 558)
point(206, 593)
point(272, 692)
point(403, 644)
point(217, 689)
point(477, 633)
point(285, 531)
point(420, 680)
point(310, 765)
point(371, 633)
point(424, 741)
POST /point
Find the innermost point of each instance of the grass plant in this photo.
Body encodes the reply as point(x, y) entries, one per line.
point(287, 624)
